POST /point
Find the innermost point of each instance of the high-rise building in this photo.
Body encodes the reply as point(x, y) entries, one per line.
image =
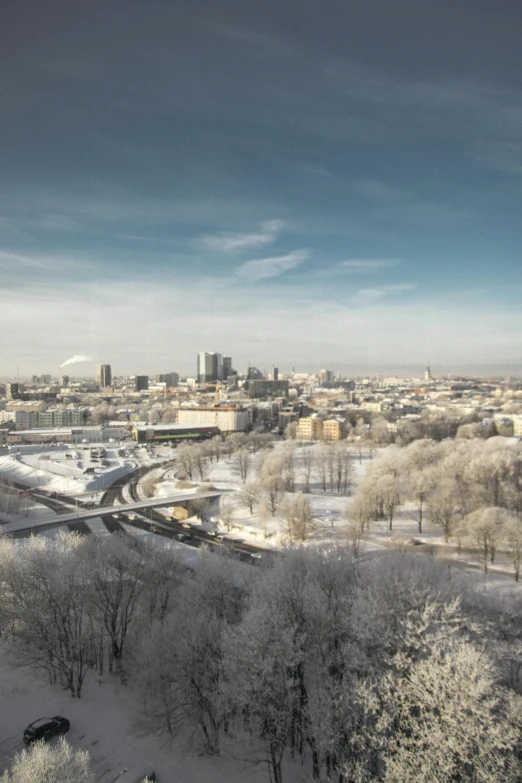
point(275, 374)
point(325, 377)
point(170, 379)
point(104, 376)
point(227, 367)
point(64, 380)
point(142, 382)
point(210, 367)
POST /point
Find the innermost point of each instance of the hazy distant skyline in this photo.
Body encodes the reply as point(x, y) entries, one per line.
point(334, 184)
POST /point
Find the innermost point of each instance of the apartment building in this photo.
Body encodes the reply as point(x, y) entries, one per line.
point(309, 428)
point(334, 429)
point(28, 420)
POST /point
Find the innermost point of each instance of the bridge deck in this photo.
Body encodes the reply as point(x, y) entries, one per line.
point(64, 519)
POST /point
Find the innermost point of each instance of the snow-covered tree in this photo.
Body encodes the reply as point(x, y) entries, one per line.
point(44, 763)
point(249, 495)
point(241, 463)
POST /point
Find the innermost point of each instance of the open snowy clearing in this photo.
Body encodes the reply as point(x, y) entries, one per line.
point(105, 721)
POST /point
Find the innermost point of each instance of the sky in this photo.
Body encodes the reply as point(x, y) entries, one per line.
point(307, 184)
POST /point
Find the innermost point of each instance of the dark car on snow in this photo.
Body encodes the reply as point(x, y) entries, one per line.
point(45, 728)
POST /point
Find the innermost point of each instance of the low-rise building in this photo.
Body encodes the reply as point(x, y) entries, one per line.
point(67, 435)
point(227, 419)
point(161, 433)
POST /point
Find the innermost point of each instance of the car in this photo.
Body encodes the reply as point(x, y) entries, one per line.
point(53, 495)
point(256, 555)
point(45, 729)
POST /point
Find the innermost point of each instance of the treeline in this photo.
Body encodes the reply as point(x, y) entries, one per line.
point(361, 670)
point(327, 467)
point(471, 489)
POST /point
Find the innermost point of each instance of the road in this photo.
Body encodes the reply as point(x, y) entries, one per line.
point(151, 522)
point(95, 511)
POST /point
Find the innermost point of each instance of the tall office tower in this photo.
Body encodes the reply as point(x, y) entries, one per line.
point(325, 377)
point(275, 374)
point(227, 367)
point(427, 374)
point(142, 382)
point(210, 367)
point(12, 391)
point(64, 380)
point(104, 375)
point(170, 379)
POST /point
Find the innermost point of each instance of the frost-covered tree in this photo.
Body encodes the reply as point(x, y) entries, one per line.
point(306, 466)
point(387, 490)
point(299, 518)
point(485, 528)
point(513, 539)
point(444, 720)
point(47, 621)
point(241, 463)
point(226, 512)
point(115, 583)
point(445, 505)
point(44, 763)
point(249, 495)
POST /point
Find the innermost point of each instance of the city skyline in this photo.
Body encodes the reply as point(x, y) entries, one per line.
point(339, 188)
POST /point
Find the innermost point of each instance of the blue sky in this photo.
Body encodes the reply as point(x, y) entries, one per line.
point(304, 184)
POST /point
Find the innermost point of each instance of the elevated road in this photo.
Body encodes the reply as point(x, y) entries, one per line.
point(83, 513)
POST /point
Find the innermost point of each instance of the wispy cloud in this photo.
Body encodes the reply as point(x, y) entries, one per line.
point(367, 264)
point(371, 294)
point(10, 260)
point(229, 243)
point(271, 267)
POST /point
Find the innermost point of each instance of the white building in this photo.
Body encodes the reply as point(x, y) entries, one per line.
point(227, 420)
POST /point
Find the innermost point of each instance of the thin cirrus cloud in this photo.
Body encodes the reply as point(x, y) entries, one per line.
point(228, 243)
point(262, 268)
point(372, 294)
point(367, 264)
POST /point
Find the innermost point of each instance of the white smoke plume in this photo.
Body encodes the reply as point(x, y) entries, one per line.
point(76, 359)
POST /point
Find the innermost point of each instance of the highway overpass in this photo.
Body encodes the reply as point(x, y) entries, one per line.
point(63, 520)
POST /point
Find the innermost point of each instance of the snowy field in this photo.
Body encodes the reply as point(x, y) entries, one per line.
point(106, 722)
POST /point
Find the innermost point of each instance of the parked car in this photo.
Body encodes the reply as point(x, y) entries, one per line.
point(45, 728)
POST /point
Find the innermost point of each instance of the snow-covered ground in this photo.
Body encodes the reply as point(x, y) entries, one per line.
point(70, 471)
point(106, 722)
